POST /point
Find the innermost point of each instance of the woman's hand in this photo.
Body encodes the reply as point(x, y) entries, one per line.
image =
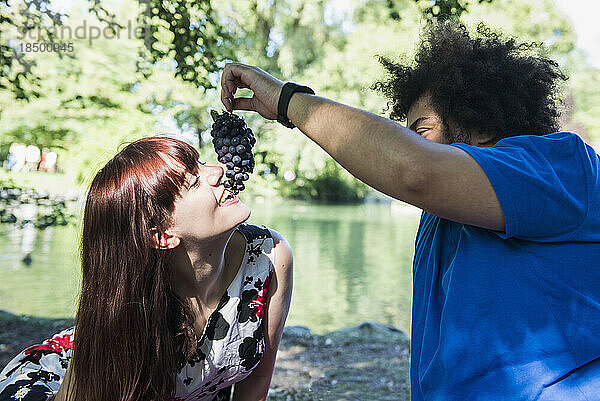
point(266, 90)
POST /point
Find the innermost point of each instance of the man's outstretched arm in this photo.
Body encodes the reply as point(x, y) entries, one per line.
point(440, 179)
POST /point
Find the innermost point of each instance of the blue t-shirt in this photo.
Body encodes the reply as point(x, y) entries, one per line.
point(514, 315)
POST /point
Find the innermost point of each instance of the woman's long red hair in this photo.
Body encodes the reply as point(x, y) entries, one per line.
point(132, 331)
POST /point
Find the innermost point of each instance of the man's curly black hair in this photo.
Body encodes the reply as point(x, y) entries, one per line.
point(481, 82)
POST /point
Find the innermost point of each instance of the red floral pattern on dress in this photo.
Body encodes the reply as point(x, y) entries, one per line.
point(261, 300)
point(58, 344)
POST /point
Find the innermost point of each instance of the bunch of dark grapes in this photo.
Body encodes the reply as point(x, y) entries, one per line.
point(233, 142)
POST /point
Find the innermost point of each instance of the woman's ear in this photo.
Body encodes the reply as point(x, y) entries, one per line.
point(164, 240)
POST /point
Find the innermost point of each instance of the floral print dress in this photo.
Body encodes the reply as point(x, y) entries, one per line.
point(230, 347)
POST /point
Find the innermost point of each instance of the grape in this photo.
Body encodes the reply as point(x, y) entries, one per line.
point(233, 142)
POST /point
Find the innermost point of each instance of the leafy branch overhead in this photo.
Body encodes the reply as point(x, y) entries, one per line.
point(185, 31)
point(197, 42)
point(15, 68)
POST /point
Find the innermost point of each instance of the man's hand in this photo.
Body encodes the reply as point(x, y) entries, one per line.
point(266, 90)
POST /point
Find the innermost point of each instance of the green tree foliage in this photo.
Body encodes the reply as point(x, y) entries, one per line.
point(446, 9)
point(94, 102)
point(15, 68)
point(183, 31)
point(541, 22)
point(187, 32)
point(39, 20)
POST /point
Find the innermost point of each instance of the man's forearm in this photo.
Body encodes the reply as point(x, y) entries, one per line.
point(378, 151)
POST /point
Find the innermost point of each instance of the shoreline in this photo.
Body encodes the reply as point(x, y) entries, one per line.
point(367, 361)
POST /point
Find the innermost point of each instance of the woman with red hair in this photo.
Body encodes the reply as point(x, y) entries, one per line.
point(180, 298)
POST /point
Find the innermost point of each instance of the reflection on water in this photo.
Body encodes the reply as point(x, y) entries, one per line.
point(49, 286)
point(28, 237)
point(351, 264)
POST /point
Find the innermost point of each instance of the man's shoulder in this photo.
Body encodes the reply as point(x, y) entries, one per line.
point(554, 149)
point(554, 139)
point(558, 148)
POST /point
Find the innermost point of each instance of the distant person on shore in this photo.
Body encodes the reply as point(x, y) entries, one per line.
point(42, 165)
point(48, 162)
point(11, 159)
point(32, 158)
point(506, 273)
point(180, 298)
point(16, 156)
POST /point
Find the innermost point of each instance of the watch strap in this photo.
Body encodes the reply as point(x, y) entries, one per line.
point(288, 89)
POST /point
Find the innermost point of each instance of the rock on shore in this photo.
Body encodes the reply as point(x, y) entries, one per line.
point(365, 362)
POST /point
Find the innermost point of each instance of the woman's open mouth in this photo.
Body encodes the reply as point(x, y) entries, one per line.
point(227, 199)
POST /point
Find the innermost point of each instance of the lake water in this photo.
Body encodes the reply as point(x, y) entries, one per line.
point(351, 264)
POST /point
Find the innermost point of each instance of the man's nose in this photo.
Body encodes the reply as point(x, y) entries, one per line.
point(213, 175)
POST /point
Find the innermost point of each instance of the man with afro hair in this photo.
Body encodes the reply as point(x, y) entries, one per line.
point(506, 271)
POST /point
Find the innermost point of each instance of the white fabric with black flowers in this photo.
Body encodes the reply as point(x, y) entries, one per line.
point(230, 347)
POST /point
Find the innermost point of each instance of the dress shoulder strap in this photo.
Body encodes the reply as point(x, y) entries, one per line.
point(259, 255)
point(253, 232)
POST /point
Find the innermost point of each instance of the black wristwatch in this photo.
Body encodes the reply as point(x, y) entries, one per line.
point(288, 89)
